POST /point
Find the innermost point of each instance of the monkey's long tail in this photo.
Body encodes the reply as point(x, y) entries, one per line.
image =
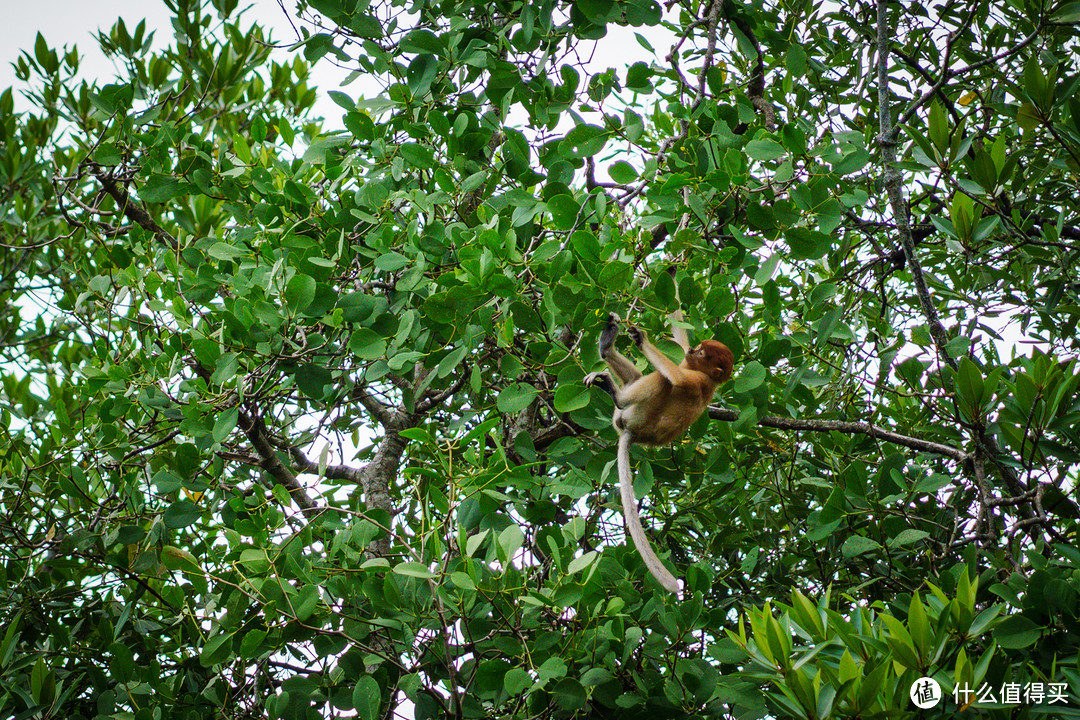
point(633, 522)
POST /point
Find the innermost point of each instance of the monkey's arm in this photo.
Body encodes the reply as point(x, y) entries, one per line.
point(663, 364)
point(679, 333)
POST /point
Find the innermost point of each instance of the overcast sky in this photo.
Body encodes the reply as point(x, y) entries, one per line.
point(74, 22)
point(71, 22)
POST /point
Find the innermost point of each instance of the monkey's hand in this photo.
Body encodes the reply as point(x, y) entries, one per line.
point(638, 336)
point(602, 381)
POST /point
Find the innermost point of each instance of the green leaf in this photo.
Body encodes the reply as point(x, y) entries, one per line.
point(1068, 13)
point(515, 398)
point(108, 154)
point(225, 368)
point(622, 172)
point(419, 156)
point(367, 344)
point(45, 56)
point(42, 683)
point(421, 41)
point(313, 380)
point(391, 262)
point(919, 624)
point(938, 129)
point(414, 570)
point(857, 545)
point(451, 361)
point(908, 537)
point(969, 387)
point(161, 188)
point(225, 251)
point(251, 644)
point(584, 140)
point(255, 560)
point(564, 211)
point(750, 377)
point(569, 694)
point(299, 293)
point(366, 26)
point(510, 541)
point(175, 558)
point(638, 77)
point(795, 60)
point(360, 125)
point(1028, 117)
point(664, 288)
point(900, 642)
point(807, 244)
point(852, 161)
point(517, 681)
point(342, 100)
point(225, 423)
point(181, 514)
point(367, 698)
point(571, 397)
point(962, 214)
point(764, 150)
point(359, 307)
point(1017, 632)
point(305, 602)
point(581, 562)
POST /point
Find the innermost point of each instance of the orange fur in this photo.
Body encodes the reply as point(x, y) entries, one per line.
point(655, 409)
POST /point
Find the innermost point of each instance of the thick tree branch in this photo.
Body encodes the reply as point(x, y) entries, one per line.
point(894, 190)
point(887, 139)
point(850, 428)
point(255, 431)
point(132, 210)
point(376, 478)
point(334, 472)
point(430, 400)
point(382, 413)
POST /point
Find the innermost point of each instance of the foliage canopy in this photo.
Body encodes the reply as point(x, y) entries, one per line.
point(293, 420)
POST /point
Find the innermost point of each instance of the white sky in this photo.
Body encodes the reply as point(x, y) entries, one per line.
point(75, 22)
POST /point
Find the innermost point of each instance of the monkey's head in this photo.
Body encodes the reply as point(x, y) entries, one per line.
point(712, 358)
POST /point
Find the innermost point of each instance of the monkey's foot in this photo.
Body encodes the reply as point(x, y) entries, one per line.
point(608, 334)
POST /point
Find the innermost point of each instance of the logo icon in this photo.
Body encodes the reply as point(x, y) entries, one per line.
point(925, 693)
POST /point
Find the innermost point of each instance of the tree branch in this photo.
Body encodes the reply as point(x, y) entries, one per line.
point(850, 428)
point(894, 190)
point(132, 210)
point(255, 430)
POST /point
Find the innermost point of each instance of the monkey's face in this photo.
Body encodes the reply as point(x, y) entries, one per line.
point(712, 358)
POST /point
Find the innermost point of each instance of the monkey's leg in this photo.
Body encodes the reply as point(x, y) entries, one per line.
point(622, 367)
point(608, 334)
point(642, 395)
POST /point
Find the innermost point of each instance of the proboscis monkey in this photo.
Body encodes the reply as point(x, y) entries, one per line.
point(655, 409)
